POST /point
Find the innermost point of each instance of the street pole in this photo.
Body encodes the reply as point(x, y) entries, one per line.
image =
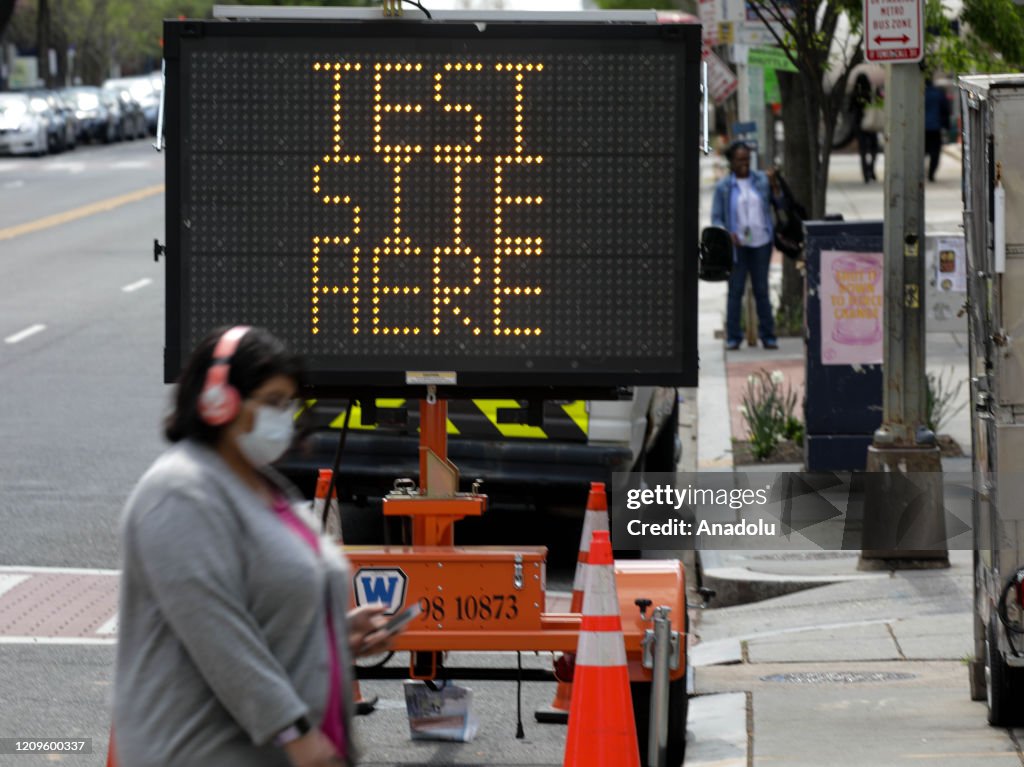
point(904, 524)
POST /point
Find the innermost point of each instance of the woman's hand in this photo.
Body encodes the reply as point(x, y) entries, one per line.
point(313, 749)
point(365, 630)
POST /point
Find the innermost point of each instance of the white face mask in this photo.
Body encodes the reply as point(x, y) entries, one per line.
point(270, 436)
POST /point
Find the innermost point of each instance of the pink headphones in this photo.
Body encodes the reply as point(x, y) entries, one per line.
point(219, 401)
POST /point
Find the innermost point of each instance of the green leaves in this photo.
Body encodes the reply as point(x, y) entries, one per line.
point(769, 411)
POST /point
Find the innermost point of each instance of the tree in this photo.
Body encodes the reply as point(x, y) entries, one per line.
point(6, 11)
point(807, 32)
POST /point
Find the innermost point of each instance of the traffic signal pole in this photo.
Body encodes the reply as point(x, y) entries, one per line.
point(904, 526)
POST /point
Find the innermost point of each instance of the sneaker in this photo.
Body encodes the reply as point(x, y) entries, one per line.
point(732, 346)
point(771, 345)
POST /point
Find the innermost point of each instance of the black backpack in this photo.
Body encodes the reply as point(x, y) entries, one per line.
point(789, 221)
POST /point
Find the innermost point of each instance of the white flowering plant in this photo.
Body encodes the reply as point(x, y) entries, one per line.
point(769, 409)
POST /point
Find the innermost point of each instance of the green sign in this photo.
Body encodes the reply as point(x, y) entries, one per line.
point(771, 87)
point(770, 59)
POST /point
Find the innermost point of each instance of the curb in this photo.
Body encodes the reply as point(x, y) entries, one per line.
point(738, 585)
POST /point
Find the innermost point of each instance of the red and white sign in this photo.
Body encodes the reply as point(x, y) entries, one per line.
point(710, 12)
point(894, 30)
point(722, 82)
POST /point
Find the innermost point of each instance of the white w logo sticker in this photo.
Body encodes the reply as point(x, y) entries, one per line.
point(381, 585)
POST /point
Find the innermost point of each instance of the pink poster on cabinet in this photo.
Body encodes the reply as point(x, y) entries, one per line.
point(851, 308)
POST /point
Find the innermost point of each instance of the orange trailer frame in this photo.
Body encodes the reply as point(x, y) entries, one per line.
point(486, 598)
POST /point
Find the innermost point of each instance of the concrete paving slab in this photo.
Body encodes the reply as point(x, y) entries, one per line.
point(935, 637)
point(854, 643)
point(716, 653)
point(717, 731)
point(865, 714)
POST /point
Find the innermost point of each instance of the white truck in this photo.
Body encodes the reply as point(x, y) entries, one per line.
point(993, 193)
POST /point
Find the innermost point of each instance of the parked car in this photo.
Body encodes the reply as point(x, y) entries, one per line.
point(56, 124)
point(65, 109)
point(22, 129)
point(132, 120)
point(96, 121)
point(144, 92)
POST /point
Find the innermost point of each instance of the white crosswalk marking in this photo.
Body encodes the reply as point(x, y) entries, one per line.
point(109, 628)
point(8, 582)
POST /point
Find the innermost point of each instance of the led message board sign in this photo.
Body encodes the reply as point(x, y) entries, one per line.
point(499, 205)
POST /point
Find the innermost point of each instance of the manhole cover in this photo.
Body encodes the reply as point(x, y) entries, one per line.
point(838, 677)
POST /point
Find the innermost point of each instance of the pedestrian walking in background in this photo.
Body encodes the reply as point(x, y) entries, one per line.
point(742, 204)
point(235, 641)
point(936, 120)
point(869, 119)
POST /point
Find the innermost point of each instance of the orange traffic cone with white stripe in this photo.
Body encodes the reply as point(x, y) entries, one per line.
point(595, 518)
point(602, 731)
point(331, 522)
point(331, 526)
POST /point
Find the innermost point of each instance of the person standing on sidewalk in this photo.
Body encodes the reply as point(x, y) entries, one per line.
point(742, 204)
point(869, 119)
point(235, 641)
point(936, 120)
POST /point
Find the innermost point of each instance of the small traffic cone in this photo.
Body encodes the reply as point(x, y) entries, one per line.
point(602, 731)
point(332, 527)
point(595, 518)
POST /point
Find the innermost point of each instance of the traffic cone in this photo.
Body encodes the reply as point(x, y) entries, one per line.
point(595, 518)
point(332, 527)
point(332, 524)
point(602, 731)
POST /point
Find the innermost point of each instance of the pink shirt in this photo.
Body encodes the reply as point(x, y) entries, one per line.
point(333, 724)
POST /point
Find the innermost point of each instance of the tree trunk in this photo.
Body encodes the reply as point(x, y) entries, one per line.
point(43, 42)
point(797, 170)
point(6, 11)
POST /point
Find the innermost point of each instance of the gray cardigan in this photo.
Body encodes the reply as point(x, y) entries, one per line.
point(222, 638)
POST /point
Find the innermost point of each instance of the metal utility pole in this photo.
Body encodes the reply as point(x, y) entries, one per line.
point(904, 523)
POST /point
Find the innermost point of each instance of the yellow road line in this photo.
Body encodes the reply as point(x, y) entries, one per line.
point(77, 213)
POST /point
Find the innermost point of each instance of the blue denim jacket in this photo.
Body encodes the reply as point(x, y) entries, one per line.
point(723, 202)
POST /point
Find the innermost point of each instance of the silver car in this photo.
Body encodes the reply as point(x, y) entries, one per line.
point(22, 130)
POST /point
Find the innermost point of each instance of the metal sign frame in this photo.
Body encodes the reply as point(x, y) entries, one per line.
point(574, 375)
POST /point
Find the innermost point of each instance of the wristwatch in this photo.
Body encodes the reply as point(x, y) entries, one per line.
point(294, 731)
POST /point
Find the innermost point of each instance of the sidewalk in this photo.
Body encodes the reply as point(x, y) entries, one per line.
point(817, 661)
point(724, 374)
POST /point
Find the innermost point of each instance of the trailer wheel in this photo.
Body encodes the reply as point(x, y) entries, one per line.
point(677, 705)
point(1002, 683)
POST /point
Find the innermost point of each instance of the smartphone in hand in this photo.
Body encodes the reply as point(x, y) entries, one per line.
point(399, 621)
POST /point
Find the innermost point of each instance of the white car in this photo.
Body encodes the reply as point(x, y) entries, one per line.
point(22, 130)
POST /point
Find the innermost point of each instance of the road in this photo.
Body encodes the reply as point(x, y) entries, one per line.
point(81, 371)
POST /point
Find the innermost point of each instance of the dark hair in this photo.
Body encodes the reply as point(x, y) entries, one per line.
point(259, 357)
point(734, 147)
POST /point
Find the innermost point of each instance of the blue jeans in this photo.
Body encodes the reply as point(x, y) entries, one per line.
point(755, 261)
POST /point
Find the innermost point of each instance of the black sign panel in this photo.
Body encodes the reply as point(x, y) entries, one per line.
point(511, 206)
